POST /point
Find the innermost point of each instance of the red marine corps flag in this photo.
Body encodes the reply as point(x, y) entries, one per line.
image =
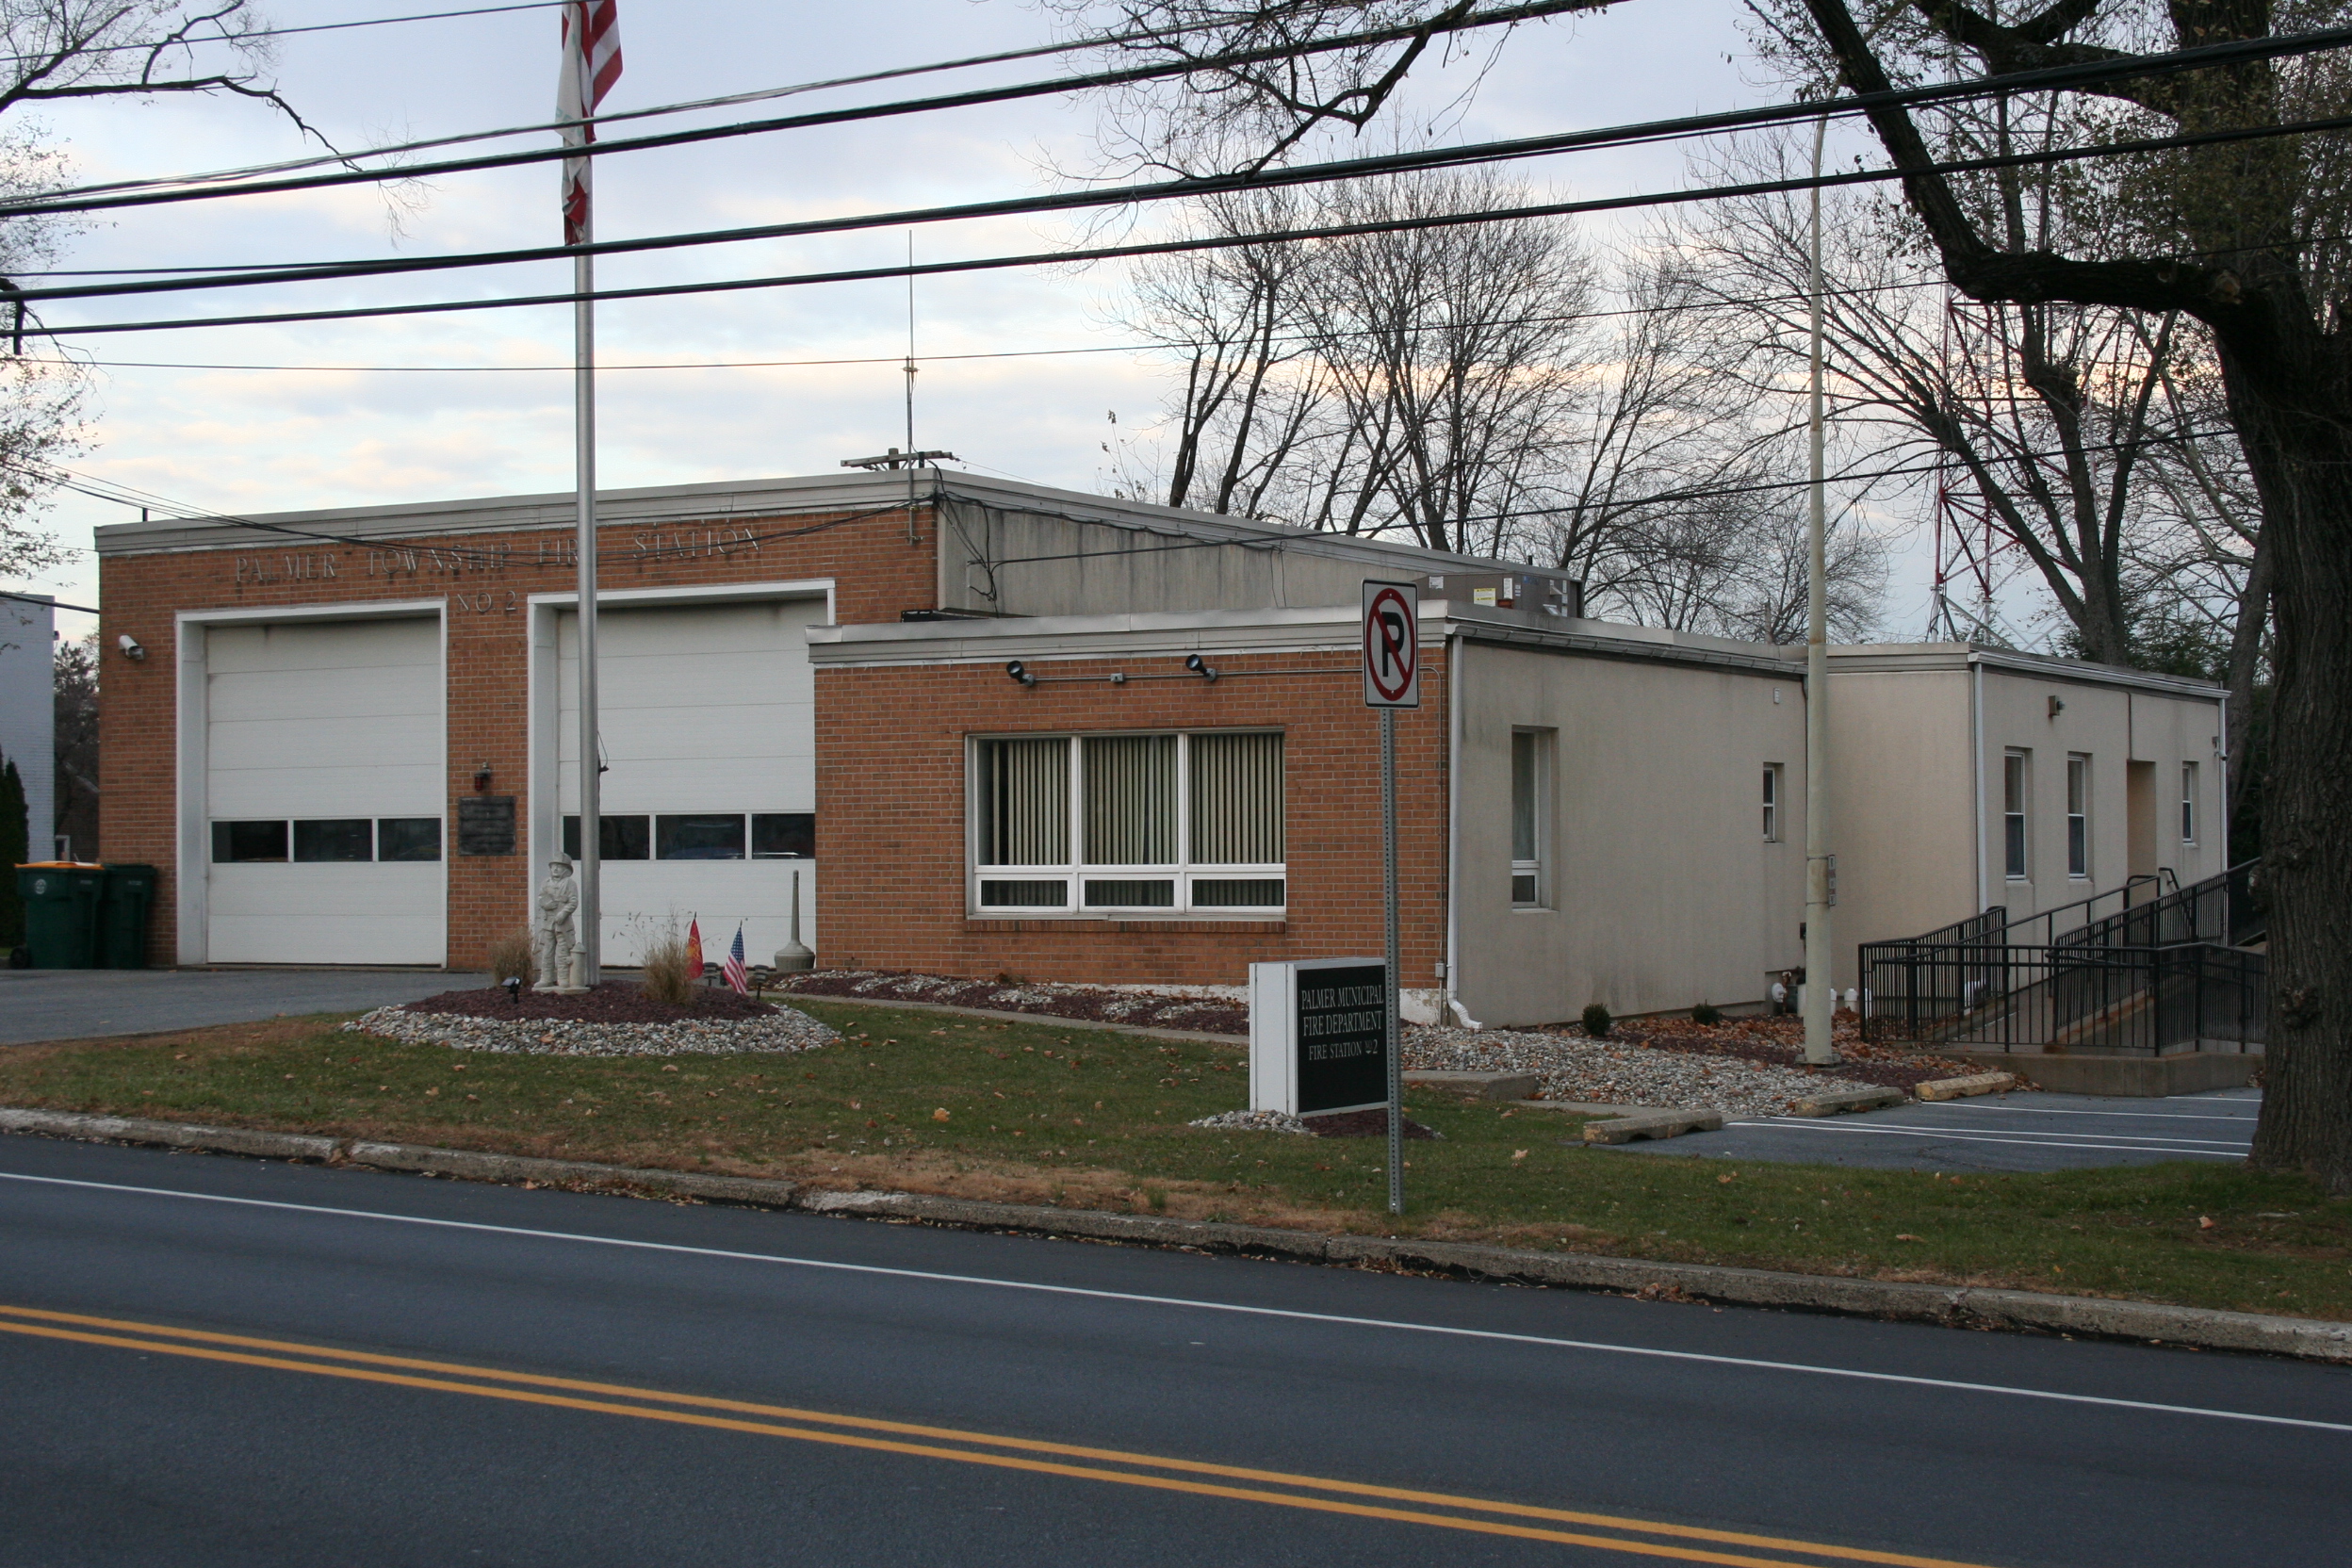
point(591, 63)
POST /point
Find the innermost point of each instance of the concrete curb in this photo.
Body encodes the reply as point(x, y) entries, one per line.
point(1953, 1306)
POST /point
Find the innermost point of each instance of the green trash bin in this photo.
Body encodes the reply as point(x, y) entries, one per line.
point(62, 914)
point(123, 917)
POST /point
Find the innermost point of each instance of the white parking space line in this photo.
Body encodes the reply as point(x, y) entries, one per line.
point(1195, 1304)
point(2029, 1133)
point(2061, 1110)
point(2028, 1140)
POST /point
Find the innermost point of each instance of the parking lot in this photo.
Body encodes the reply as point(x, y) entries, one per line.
point(2009, 1132)
point(75, 1003)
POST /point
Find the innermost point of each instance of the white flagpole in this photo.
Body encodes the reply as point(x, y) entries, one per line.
point(585, 420)
point(580, 97)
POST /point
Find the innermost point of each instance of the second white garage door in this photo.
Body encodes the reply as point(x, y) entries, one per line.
point(708, 721)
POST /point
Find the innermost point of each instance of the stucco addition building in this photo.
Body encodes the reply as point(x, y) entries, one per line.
point(992, 728)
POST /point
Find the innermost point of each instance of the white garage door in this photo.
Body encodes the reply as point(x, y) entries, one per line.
point(707, 720)
point(324, 790)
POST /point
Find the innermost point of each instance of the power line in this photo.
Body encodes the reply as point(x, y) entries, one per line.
point(1104, 40)
point(73, 201)
point(155, 44)
point(1337, 231)
point(124, 494)
point(54, 604)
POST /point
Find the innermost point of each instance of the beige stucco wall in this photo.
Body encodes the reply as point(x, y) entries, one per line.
point(1663, 891)
point(1903, 809)
point(1919, 847)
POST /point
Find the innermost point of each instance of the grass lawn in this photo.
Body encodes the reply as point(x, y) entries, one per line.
point(1053, 1113)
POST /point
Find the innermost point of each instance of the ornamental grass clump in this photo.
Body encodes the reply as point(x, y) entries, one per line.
point(1597, 1021)
point(511, 958)
point(669, 973)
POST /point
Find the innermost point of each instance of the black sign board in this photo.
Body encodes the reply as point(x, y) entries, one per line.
point(485, 825)
point(1341, 1039)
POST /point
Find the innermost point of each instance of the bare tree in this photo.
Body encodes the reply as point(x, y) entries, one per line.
point(1253, 113)
point(53, 49)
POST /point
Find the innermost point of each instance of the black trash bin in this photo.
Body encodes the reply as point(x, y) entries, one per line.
point(130, 893)
point(62, 914)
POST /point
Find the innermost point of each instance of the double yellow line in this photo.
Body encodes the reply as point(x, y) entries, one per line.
point(1240, 1483)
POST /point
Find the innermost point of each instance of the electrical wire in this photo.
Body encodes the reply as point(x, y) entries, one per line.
point(124, 494)
point(92, 199)
point(1221, 242)
point(52, 604)
point(155, 44)
point(1079, 45)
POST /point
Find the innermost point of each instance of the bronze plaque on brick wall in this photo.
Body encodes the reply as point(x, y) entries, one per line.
point(485, 825)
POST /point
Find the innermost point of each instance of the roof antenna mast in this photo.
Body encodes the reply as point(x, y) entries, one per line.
point(908, 457)
point(912, 537)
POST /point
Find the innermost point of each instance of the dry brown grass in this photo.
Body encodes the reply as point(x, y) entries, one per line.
point(511, 957)
point(668, 975)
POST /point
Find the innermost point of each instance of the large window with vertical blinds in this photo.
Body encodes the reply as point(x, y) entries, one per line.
point(1159, 823)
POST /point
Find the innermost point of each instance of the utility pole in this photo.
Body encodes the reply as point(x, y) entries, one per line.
point(1821, 995)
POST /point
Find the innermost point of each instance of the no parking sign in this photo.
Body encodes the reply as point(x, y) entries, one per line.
point(1392, 645)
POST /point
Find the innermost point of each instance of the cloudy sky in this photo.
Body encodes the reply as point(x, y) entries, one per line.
point(1022, 369)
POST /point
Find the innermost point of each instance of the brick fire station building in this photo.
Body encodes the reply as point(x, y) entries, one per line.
point(350, 737)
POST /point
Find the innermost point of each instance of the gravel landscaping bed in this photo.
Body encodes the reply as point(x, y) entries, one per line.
point(1780, 1042)
point(1735, 1067)
point(685, 1034)
point(614, 1002)
point(1083, 1003)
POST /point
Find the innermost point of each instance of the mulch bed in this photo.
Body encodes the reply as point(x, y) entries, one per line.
point(1780, 1041)
point(1207, 1015)
point(1362, 1124)
point(614, 1002)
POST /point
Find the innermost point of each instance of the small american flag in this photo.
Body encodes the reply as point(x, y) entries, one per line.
point(733, 968)
point(591, 63)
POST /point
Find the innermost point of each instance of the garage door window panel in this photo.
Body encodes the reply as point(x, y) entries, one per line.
point(707, 835)
point(248, 842)
point(783, 835)
point(335, 838)
point(1160, 823)
point(618, 837)
point(408, 837)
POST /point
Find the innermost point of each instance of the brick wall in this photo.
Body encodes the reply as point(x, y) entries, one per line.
point(891, 816)
point(876, 573)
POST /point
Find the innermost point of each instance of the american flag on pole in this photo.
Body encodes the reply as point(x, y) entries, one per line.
point(591, 63)
point(733, 968)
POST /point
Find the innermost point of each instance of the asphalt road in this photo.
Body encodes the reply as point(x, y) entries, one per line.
point(350, 1367)
point(2004, 1131)
point(77, 1004)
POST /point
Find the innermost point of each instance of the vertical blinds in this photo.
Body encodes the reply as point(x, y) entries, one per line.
point(1025, 802)
point(1236, 799)
point(1130, 800)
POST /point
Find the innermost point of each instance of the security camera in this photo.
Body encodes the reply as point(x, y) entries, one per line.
point(130, 648)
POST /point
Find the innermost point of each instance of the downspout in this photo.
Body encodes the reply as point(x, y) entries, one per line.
point(1976, 769)
point(2221, 802)
point(1453, 834)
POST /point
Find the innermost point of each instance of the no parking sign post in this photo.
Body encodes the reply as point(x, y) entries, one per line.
point(1392, 679)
